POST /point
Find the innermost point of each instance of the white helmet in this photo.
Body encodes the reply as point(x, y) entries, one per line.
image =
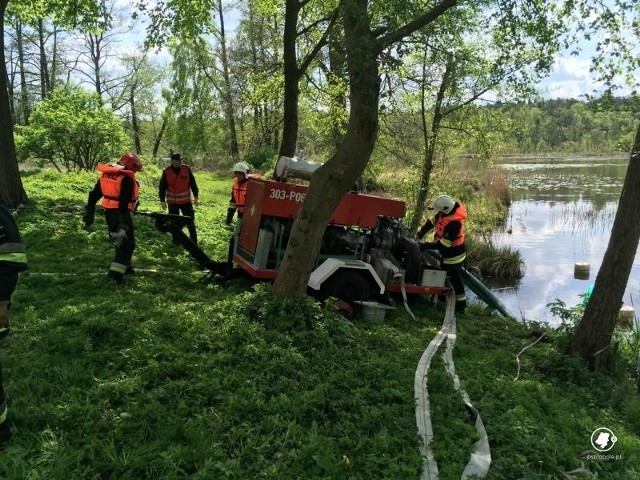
point(444, 204)
point(241, 167)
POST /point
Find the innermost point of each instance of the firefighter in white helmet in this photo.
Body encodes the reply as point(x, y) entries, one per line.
point(238, 191)
point(238, 199)
point(448, 239)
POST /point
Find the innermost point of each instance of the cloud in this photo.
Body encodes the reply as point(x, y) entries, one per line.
point(570, 78)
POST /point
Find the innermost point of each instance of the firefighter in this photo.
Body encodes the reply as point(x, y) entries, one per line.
point(238, 198)
point(448, 239)
point(176, 185)
point(13, 260)
point(118, 188)
point(238, 191)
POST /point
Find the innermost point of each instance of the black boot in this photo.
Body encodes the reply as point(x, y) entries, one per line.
point(116, 277)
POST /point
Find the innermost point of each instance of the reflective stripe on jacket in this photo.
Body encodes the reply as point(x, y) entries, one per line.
point(110, 184)
point(178, 185)
point(13, 254)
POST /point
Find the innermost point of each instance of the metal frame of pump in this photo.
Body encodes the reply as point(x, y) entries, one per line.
point(346, 258)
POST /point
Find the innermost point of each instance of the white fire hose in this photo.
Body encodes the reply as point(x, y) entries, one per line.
point(480, 459)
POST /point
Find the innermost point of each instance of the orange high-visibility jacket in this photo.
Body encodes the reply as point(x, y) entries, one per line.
point(239, 193)
point(178, 185)
point(454, 249)
point(110, 183)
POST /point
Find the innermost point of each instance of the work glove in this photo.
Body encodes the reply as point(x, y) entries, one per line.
point(163, 204)
point(195, 201)
point(230, 213)
point(88, 217)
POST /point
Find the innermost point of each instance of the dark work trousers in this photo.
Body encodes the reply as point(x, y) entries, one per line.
point(233, 242)
point(8, 282)
point(407, 252)
point(2, 396)
point(454, 272)
point(188, 211)
point(122, 258)
point(5, 422)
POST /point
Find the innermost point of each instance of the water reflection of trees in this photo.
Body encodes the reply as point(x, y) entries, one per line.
point(566, 179)
point(581, 216)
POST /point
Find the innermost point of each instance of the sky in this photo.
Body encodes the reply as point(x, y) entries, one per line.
point(569, 78)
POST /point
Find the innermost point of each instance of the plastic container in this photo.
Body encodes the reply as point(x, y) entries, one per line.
point(581, 271)
point(626, 316)
point(433, 278)
point(374, 312)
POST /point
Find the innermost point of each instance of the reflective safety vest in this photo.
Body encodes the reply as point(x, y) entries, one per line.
point(178, 186)
point(110, 184)
point(13, 254)
point(454, 251)
point(239, 193)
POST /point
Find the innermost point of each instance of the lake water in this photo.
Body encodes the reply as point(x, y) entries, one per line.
point(562, 213)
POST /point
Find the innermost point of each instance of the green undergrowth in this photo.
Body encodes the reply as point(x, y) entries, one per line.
point(168, 377)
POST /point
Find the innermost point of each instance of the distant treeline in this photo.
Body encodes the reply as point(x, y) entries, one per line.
point(570, 126)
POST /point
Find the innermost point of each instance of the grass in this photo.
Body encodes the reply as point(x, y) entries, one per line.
point(502, 266)
point(168, 378)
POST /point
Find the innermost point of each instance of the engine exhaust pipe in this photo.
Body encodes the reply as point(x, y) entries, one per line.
point(296, 168)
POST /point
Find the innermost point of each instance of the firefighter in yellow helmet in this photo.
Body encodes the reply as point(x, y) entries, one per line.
point(448, 239)
point(118, 188)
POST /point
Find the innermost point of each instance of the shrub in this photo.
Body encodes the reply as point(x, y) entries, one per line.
point(71, 130)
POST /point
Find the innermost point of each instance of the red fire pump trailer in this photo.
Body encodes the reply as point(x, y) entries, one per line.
point(360, 247)
point(364, 252)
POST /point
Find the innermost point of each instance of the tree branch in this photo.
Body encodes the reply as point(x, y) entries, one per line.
point(321, 43)
point(422, 21)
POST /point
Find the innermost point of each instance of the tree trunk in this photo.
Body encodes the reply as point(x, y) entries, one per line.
point(44, 68)
point(54, 60)
point(227, 94)
point(156, 144)
point(11, 76)
point(24, 96)
point(430, 141)
point(94, 42)
point(335, 79)
point(333, 179)
point(134, 122)
point(593, 334)
point(291, 76)
point(11, 189)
